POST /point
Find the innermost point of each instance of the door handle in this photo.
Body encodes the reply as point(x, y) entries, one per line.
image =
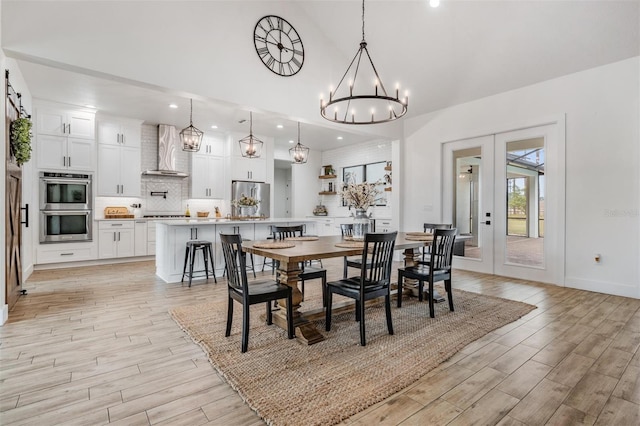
point(26, 215)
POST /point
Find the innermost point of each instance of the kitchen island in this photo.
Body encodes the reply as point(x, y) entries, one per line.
point(172, 236)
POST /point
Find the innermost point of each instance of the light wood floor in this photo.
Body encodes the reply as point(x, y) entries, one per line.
point(95, 345)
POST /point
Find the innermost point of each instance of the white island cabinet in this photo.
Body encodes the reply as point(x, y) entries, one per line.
point(172, 237)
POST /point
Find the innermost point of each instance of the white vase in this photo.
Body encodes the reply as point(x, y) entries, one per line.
point(361, 224)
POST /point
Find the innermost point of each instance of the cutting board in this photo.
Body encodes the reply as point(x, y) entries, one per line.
point(117, 213)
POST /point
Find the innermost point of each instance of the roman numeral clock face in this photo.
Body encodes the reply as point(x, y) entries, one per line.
point(278, 45)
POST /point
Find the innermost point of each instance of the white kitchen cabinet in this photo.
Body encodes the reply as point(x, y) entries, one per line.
point(63, 153)
point(65, 252)
point(116, 239)
point(384, 225)
point(251, 169)
point(207, 176)
point(65, 139)
point(118, 170)
point(326, 227)
point(187, 233)
point(140, 238)
point(246, 231)
point(65, 122)
point(212, 146)
point(119, 131)
point(151, 238)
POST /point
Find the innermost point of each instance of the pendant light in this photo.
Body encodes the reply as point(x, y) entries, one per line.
point(190, 136)
point(250, 146)
point(369, 102)
point(299, 153)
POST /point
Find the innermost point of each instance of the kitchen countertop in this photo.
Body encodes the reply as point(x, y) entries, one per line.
point(223, 221)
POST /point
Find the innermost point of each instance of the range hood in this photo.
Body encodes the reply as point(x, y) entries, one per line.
point(168, 145)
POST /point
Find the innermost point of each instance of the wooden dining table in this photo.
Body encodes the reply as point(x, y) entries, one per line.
point(320, 248)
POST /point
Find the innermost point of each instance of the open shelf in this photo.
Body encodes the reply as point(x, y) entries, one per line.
point(327, 177)
point(327, 193)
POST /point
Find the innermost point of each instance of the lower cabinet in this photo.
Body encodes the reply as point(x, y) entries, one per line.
point(140, 238)
point(65, 252)
point(151, 238)
point(384, 225)
point(247, 232)
point(116, 239)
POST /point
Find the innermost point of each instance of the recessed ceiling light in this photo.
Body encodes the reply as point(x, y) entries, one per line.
point(214, 127)
point(174, 106)
point(279, 126)
point(290, 141)
point(434, 3)
point(339, 138)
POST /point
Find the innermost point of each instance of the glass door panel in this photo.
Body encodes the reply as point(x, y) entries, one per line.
point(468, 200)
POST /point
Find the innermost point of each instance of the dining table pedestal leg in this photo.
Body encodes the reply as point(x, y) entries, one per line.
point(306, 331)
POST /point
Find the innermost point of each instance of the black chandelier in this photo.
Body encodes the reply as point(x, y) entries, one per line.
point(353, 107)
point(299, 153)
point(250, 146)
point(190, 136)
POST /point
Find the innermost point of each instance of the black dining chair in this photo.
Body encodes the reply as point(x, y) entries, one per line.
point(307, 272)
point(252, 293)
point(352, 261)
point(372, 283)
point(438, 268)
point(431, 227)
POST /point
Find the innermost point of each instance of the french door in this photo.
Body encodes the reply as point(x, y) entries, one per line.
point(505, 194)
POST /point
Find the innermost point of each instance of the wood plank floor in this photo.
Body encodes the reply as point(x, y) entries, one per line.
point(95, 345)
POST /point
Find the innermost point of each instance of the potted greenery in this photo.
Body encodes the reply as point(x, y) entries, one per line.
point(21, 140)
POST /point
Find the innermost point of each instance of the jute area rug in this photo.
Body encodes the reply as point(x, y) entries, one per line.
point(288, 383)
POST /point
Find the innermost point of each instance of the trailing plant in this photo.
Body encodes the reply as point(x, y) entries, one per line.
point(21, 140)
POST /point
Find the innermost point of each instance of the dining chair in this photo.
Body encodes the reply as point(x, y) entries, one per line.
point(372, 283)
point(438, 268)
point(250, 294)
point(431, 227)
point(353, 261)
point(307, 272)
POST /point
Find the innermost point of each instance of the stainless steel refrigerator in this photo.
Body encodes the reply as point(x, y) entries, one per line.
point(259, 191)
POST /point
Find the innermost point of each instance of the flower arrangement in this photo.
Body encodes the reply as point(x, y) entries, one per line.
point(245, 201)
point(360, 195)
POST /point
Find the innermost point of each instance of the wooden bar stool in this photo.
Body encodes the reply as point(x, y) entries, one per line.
point(206, 247)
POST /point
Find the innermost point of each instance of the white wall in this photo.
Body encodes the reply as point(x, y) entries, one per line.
point(602, 173)
point(353, 155)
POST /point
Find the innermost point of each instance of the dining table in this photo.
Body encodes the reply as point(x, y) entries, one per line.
point(290, 253)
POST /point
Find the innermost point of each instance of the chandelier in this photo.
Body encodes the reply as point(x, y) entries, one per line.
point(190, 136)
point(348, 106)
point(250, 146)
point(299, 153)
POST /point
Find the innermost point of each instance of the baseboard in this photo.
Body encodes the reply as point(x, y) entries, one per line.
point(27, 273)
point(615, 289)
point(5, 314)
point(62, 265)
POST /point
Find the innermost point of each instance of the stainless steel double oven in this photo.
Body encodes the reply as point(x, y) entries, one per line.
point(66, 213)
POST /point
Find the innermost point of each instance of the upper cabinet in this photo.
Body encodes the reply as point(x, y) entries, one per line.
point(65, 122)
point(250, 169)
point(207, 170)
point(119, 131)
point(65, 139)
point(119, 156)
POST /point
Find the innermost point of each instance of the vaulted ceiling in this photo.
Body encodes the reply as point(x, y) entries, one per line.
point(133, 58)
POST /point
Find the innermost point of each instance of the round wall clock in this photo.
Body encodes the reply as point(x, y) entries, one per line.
point(278, 45)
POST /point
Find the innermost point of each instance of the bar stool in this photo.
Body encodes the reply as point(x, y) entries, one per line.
point(190, 255)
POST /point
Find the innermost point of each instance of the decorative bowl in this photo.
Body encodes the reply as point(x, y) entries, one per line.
point(202, 214)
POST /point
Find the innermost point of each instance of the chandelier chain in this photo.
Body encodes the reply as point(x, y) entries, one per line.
point(362, 20)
